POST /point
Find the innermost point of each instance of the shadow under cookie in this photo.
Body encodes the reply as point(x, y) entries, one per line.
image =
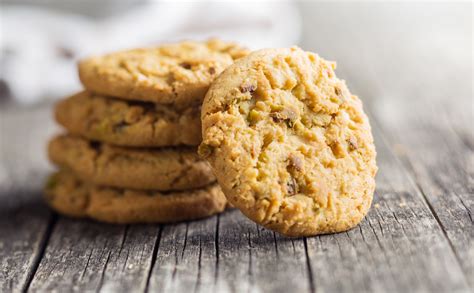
point(70, 196)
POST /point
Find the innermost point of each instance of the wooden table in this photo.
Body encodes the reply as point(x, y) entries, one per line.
point(412, 66)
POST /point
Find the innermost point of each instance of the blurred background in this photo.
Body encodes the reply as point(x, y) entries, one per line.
point(41, 40)
point(388, 52)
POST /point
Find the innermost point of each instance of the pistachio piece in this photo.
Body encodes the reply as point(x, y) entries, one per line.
point(185, 65)
point(205, 150)
point(291, 186)
point(248, 88)
point(295, 162)
point(352, 143)
point(119, 127)
point(254, 116)
point(52, 182)
point(287, 114)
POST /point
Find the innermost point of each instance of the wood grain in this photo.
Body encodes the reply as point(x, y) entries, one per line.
point(186, 258)
point(423, 114)
point(227, 253)
point(25, 221)
point(24, 231)
point(441, 165)
point(88, 256)
point(400, 235)
point(252, 258)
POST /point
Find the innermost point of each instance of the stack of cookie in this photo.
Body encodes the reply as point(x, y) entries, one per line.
point(129, 154)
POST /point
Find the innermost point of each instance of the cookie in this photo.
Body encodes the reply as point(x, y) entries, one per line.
point(70, 196)
point(175, 74)
point(289, 144)
point(136, 124)
point(151, 169)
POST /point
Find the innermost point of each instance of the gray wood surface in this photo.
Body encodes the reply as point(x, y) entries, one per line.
point(25, 221)
point(411, 63)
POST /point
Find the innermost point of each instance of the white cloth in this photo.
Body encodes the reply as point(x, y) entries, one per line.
point(40, 46)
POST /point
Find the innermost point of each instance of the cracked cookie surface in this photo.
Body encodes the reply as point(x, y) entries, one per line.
point(162, 169)
point(174, 74)
point(289, 144)
point(127, 123)
point(70, 196)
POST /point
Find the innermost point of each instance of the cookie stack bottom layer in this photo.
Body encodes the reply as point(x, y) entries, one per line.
point(70, 196)
point(130, 185)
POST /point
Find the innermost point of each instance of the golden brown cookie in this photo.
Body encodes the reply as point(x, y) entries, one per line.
point(162, 169)
point(289, 144)
point(126, 123)
point(70, 196)
point(174, 74)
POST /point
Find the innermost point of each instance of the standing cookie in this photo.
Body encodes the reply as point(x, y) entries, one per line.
point(175, 74)
point(289, 145)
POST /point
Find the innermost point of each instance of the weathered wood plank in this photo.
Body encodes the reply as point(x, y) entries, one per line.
point(88, 256)
point(24, 231)
point(76, 256)
point(442, 167)
point(391, 69)
point(430, 129)
point(128, 269)
point(398, 247)
point(404, 90)
point(186, 258)
point(252, 258)
point(24, 220)
point(235, 255)
point(228, 253)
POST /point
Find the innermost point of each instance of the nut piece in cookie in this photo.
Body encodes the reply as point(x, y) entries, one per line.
point(289, 144)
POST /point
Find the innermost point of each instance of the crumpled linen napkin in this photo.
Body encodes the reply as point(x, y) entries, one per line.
point(40, 46)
